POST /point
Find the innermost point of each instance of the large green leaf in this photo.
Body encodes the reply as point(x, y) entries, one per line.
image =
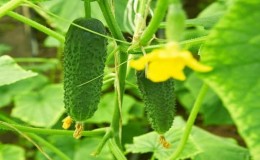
point(8, 92)
point(201, 145)
point(10, 72)
point(11, 152)
point(67, 11)
point(217, 148)
point(233, 51)
point(41, 108)
point(150, 143)
point(212, 109)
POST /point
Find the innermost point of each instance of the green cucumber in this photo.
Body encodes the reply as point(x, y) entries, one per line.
point(84, 63)
point(159, 100)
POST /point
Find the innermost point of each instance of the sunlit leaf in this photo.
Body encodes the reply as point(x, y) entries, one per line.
point(216, 148)
point(10, 72)
point(201, 145)
point(233, 51)
point(8, 92)
point(41, 108)
point(212, 109)
point(150, 143)
point(11, 152)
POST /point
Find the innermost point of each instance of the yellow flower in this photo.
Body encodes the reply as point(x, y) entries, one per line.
point(66, 122)
point(168, 62)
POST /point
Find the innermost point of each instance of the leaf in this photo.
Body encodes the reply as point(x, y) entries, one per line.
point(150, 143)
point(41, 108)
point(216, 148)
point(106, 109)
point(66, 10)
point(11, 152)
point(201, 145)
point(212, 108)
point(123, 22)
point(10, 72)
point(233, 51)
point(69, 11)
point(8, 92)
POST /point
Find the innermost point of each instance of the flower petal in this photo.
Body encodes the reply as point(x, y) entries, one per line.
point(195, 65)
point(138, 64)
point(158, 72)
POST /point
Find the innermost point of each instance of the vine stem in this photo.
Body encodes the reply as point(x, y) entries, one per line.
point(120, 58)
point(190, 122)
point(95, 132)
point(36, 25)
point(9, 6)
point(189, 42)
point(116, 151)
point(159, 13)
point(87, 7)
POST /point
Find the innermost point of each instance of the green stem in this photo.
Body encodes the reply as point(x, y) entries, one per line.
point(9, 6)
point(108, 81)
point(95, 132)
point(190, 122)
point(186, 44)
point(115, 150)
point(103, 142)
point(159, 13)
point(36, 60)
point(116, 124)
point(206, 22)
point(110, 19)
point(87, 7)
point(36, 25)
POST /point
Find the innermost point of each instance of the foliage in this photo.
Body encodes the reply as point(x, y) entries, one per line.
point(224, 35)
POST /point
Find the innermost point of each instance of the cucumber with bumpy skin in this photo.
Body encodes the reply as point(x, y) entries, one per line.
point(84, 63)
point(159, 100)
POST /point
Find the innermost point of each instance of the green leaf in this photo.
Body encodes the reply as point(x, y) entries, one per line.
point(66, 10)
point(106, 109)
point(150, 143)
point(201, 145)
point(10, 72)
point(233, 51)
point(120, 14)
point(212, 109)
point(8, 92)
point(41, 108)
point(216, 148)
point(11, 152)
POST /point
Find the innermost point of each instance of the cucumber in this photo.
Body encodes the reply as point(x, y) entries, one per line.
point(159, 100)
point(84, 63)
